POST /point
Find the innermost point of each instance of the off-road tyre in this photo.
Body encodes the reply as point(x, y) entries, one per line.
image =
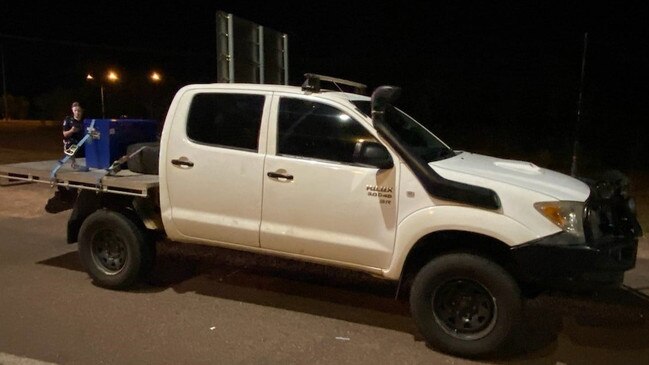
point(114, 250)
point(465, 304)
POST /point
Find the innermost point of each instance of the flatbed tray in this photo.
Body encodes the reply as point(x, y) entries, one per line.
point(124, 182)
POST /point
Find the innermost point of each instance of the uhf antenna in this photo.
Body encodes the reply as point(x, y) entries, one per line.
point(575, 147)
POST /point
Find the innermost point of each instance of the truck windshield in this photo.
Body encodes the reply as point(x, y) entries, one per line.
point(413, 135)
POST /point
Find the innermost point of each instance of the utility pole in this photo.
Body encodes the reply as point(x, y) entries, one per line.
point(575, 147)
point(4, 83)
point(103, 109)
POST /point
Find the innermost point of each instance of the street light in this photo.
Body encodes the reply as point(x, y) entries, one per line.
point(155, 77)
point(110, 76)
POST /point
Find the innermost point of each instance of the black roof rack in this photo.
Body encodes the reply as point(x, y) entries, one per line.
point(312, 83)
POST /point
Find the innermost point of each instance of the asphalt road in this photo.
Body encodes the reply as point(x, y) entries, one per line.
point(204, 305)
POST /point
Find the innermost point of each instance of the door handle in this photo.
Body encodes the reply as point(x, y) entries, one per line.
point(277, 175)
point(182, 163)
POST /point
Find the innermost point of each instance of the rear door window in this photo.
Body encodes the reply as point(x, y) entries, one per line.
point(226, 120)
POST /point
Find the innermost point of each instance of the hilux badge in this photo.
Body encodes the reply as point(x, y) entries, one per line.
point(382, 192)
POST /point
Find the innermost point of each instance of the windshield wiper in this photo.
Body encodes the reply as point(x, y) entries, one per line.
point(446, 153)
point(438, 153)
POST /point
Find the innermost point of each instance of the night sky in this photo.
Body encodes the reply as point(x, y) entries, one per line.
point(502, 80)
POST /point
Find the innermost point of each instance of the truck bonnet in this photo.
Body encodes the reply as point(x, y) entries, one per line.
point(517, 173)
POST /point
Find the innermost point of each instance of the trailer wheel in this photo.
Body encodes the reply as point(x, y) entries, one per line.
point(114, 250)
point(465, 304)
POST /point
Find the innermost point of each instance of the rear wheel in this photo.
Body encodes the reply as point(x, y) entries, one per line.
point(114, 250)
point(465, 304)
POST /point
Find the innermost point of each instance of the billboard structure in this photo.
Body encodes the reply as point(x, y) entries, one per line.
point(249, 52)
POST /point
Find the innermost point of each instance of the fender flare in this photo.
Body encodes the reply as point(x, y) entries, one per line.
point(453, 218)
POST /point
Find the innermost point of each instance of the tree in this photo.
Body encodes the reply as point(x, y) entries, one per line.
point(18, 107)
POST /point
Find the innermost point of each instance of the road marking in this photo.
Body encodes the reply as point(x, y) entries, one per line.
point(8, 359)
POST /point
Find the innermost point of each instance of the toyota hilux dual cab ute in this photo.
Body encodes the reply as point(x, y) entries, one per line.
point(342, 179)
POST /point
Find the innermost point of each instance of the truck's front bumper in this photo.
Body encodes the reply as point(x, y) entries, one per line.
point(611, 232)
point(557, 261)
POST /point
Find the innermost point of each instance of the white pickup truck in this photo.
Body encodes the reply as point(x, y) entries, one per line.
point(347, 180)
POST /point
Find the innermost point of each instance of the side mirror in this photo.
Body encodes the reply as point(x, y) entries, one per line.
point(382, 97)
point(370, 153)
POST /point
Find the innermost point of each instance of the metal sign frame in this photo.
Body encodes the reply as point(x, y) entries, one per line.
point(261, 53)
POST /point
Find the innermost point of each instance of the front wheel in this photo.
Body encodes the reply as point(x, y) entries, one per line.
point(114, 250)
point(465, 304)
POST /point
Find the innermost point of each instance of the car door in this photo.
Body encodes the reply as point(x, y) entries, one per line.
point(317, 202)
point(215, 165)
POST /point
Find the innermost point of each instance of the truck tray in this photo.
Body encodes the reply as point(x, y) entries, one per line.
point(124, 182)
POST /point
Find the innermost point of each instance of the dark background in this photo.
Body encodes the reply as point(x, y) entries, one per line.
point(499, 80)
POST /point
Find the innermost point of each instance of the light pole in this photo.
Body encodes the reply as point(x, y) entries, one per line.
point(155, 79)
point(90, 78)
point(112, 77)
point(4, 84)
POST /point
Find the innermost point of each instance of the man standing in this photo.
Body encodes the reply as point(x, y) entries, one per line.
point(73, 132)
point(64, 198)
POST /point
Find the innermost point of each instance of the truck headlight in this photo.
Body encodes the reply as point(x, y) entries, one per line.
point(567, 215)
